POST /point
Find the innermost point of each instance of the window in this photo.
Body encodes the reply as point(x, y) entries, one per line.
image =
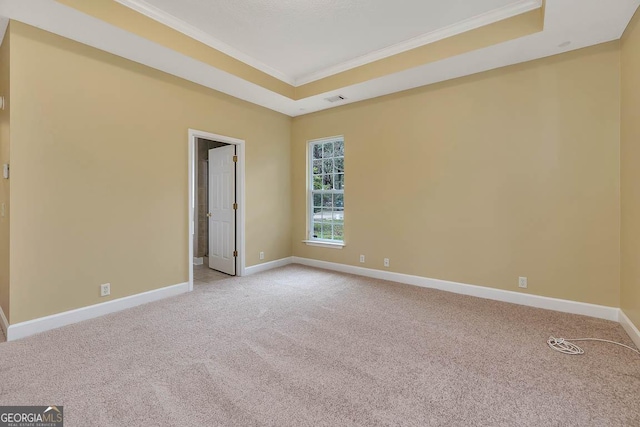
point(326, 192)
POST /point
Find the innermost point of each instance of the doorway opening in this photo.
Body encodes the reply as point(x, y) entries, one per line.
point(216, 207)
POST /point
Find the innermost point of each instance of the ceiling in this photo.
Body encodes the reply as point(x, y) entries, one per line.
point(290, 55)
point(302, 38)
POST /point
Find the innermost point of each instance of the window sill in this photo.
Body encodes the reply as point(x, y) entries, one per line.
point(319, 243)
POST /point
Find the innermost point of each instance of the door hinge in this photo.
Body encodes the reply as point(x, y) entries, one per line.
point(235, 159)
point(235, 206)
point(235, 253)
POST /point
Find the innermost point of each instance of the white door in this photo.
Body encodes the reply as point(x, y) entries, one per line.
point(222, 215)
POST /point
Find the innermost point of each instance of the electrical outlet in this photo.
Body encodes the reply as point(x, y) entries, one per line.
point(522, 282)
point(261, 255)
point(362, 258)
point(386, 262)
point(105, 289)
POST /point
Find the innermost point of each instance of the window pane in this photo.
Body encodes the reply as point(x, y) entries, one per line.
point(317, 151)
point(328, 149)
point(326, 230)
point(327, 169)
point(328, 166)
point(327, 182)
point(317, 167)
point(338, 231)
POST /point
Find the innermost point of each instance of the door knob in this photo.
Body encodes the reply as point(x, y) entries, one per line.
point(209, 214)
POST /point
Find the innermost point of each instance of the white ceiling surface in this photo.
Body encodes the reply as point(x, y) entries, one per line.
point(583, 22)
point(299, 38)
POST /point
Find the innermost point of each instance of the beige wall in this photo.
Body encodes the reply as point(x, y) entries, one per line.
point(513, 172)
point(630, 161)
point(4, 184)
point(99, 184)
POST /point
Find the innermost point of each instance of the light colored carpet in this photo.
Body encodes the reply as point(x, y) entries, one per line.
point(304, 347)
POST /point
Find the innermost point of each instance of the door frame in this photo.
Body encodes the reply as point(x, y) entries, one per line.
point(240, 196)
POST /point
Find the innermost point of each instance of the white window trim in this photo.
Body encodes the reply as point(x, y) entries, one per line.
point(310, 241)
point(325, 243)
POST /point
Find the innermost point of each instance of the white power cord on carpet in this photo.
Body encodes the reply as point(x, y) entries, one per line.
point(567, 347)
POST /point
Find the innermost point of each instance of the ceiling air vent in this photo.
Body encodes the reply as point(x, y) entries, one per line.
point(336, 98)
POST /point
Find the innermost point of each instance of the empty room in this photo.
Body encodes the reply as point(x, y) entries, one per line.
point(319, 213)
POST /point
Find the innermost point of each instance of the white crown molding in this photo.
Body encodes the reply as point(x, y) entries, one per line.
point(482, 20)
point(171, 21)
point(42, 324)
point(599, 22)
point(555, 304)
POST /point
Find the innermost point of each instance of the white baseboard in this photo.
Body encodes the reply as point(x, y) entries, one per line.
point(24, 329)
point(198, 260)
point(267, 266)
point(630, 328)
point(566, 306)
point(4, 323)
point(35, 326)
